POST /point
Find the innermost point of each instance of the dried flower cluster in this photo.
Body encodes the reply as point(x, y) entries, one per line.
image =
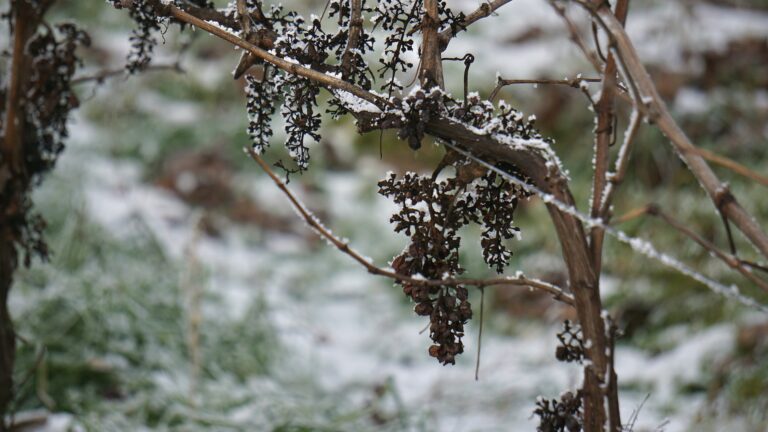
point(143, 38)
point(564, 415)
point(260, 97)
point(399, 18)
point(47, 99)
point(309, 45)
point(431, 214)
point(571, 348)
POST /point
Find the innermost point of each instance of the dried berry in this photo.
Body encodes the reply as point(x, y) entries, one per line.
point(564, 415)
point(571, 348)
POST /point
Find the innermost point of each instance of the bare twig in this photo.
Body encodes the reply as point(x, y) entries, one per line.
point(604, 111)
point(729, 259)
point(519, 280)
point(578, 83)
point(480, 333)
point(485, 10)
point(731, 165)
point(622, 162)
point(101, 76)
point(591, 56)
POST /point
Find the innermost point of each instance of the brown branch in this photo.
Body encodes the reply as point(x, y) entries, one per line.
point(485, 10)
point(605, 113)
point(355, 29)
point(431, 72)
point(101, 76)
point(653, 105)
point(622, 162)
point(14, 182)
point(522, 281)
point(731, 165)
point(577, 83)
point(218, 16)
point(11, 149)
point(290, 67)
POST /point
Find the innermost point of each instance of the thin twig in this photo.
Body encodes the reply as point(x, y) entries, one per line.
point(730, 164)
point(519, 280)
point(485, 10)
point(591, 56)
point(622, 163)
point(604, 133)
point(577, 83)
point(101, 76)
point(480, 333)
point(729, 259)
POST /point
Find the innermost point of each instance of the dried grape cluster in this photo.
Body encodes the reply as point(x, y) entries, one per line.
point(399, 18)
point(302, 116)
point(354, 68)
point(416, 110)
point(564, 415)
point(261, 98)
point(47, 99)
point(143, 39)
point(504, 121)
point(309, 45)
point(571, 348)
point(50, 97)
point(431, 214)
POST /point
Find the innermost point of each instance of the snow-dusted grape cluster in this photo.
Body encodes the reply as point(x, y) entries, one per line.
point(143, 38)
point(431, 214)
point(261, 98)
